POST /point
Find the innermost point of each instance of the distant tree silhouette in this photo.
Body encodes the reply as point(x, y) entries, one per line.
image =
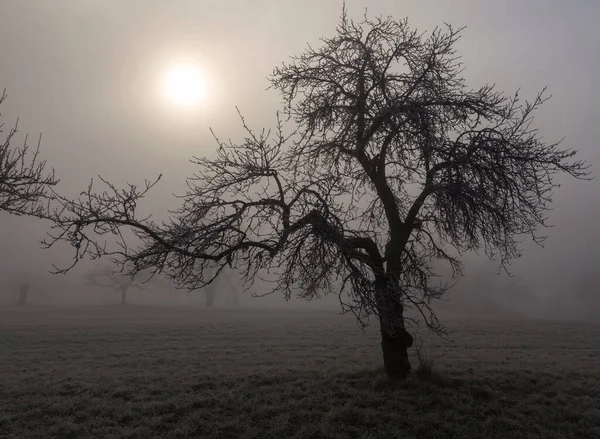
point(475, 294)
point(23, 290)
point(486, 293)
point(210, 292)
point(235, 299)
point(24, 183)
point(522, 301)
point(392, 164)
point(217, 287)
point(106, 277)
point(587, 291)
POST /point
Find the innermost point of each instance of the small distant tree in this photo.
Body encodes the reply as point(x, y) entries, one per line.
point(210, 292)
point(216, 287)
point(475, 294)
point(24, 181)
point(391, 165)
point(23, 290)
point(587, 291)
point(235, 298)
point(106, 277)
point(522, 300)
point(160, 285)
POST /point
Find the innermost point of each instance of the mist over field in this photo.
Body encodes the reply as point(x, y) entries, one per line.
point(96, 97)
point(483, 293)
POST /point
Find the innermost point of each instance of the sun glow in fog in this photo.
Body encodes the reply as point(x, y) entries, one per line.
point(185, 85)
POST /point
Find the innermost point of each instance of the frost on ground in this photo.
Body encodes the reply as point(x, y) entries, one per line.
point(142, 372)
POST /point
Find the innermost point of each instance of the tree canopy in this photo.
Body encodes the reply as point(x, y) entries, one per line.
point(24, 181)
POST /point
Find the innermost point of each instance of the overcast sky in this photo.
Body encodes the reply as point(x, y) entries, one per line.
point(89, 74)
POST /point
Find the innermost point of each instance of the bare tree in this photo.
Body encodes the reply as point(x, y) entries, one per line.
point(160, 285)
point(23, 290)
point(586, 290)
point(220, 284)
point(210, 292)
point(106, 277)
point(393, 164)
point(24, 182)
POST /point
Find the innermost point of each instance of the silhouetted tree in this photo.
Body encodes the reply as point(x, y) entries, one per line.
point(24, 182)
point(235, 298)
point(210, 292)
point(522, 301)
point(105, 277)
point(392, 163)
point(220, 284)
point(160, 285)
point(586, 290)
point(475, 294)
point(23, 290)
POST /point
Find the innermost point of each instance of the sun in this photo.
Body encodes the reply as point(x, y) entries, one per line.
point(185, 85)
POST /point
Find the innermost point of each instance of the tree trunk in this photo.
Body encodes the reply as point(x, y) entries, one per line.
point(123, 295)
point(395, 339)
point(23, 289)
point(22, 297)
point(394, 346)
point(236, 300)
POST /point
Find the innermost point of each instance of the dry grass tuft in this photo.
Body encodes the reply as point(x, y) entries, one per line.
point(425, 359)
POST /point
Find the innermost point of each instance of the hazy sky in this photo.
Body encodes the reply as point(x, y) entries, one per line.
point(88, 74)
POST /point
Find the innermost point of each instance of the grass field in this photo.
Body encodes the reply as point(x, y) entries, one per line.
point(143, 372)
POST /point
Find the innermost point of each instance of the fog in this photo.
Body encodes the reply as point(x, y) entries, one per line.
point(88, 76)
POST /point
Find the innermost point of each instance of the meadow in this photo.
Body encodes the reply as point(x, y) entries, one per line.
point(157, 372)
